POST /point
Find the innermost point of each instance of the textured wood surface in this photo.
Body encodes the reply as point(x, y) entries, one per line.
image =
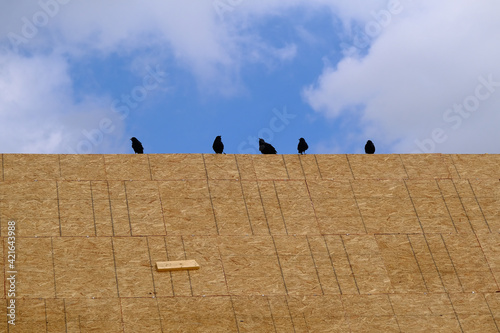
point(287, 243)
point(179, 265)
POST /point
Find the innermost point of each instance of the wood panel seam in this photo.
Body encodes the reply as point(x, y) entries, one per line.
point(455, 312)
point(317, 165)
point(333, 266)
point(128, 208)
point(477, 201)
point(93, 209)
point(463, 206)
point(357, 206)
point(188, 272)
point(350, 265)
point(452, 263)
point(279, 264)
point(418, 264)
point(279, 205)
point(210, 195)
point(350, 167)
point(315, 266)
point(404, 166)
point(394, 312)
point(58, 209)
point(446, 205)
point(162, 209)
point(263, 208)
point(425, 237)
point(491, 312)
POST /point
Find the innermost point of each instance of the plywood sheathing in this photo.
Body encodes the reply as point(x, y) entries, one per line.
point(489, 245)
point(220, 167)
point(179, 166)
point(302, 166)
point(82, 267)
point(75, 208)
point(145, 208)
point(101, 207)
point(429, 166)
point(381, 167)
point(269, 167)
point(245, 167)
point(187, 208)
point(294, 167)
point(296, 208)
point(336, 208)
point(166, 266)
point(334, 167)
point(127, 167)
point(287, 242)
point(229, 208)
point(36, 279)
point(31, 167)
point(89, 314)
point(255, 210)
point(477, 166)
point(82, 167)
point(32, 203)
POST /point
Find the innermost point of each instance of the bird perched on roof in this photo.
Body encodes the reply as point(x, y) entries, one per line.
point(302, 147)
point(266, 148)
point(218, 146)
point(369, 147)
point(137, 146)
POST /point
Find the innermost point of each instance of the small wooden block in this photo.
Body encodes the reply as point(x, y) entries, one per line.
point(176, 265)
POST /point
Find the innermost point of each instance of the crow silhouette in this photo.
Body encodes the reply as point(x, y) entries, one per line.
point(302, 147)
point(266, 148)
point(137, 146)
point(369, 147)
point(218, 146)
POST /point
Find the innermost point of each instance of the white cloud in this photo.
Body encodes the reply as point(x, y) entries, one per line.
point(427, 59)
point(206, 44)
point(38, 113)
point(37, 108)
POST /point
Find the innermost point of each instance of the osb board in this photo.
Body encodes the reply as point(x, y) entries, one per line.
point(343, 313)
point(270, 167)
point(486, 188)
point(294, 166)
point(429, 166)
point(31, 167)
point(220, 167)
point(82, 167)
point(82, 267)
point(281, 264)
point(380, 167)
point(302, 166)
point(477, 166)
point(287, 242)
point(249, 167)
point(179, 166)
point(334, 167)
point(127, 166)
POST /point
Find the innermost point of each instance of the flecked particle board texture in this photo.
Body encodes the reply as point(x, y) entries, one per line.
point(285, 243)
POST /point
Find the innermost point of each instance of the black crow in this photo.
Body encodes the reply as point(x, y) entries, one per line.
point(302, 147)
point(369, 147)
point(137, 146)
point(218, 146)
point(266, 148)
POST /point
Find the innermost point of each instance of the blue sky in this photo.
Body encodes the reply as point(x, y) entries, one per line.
point(84, 77)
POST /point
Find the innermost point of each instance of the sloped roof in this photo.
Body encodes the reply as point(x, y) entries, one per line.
point(286, 243)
